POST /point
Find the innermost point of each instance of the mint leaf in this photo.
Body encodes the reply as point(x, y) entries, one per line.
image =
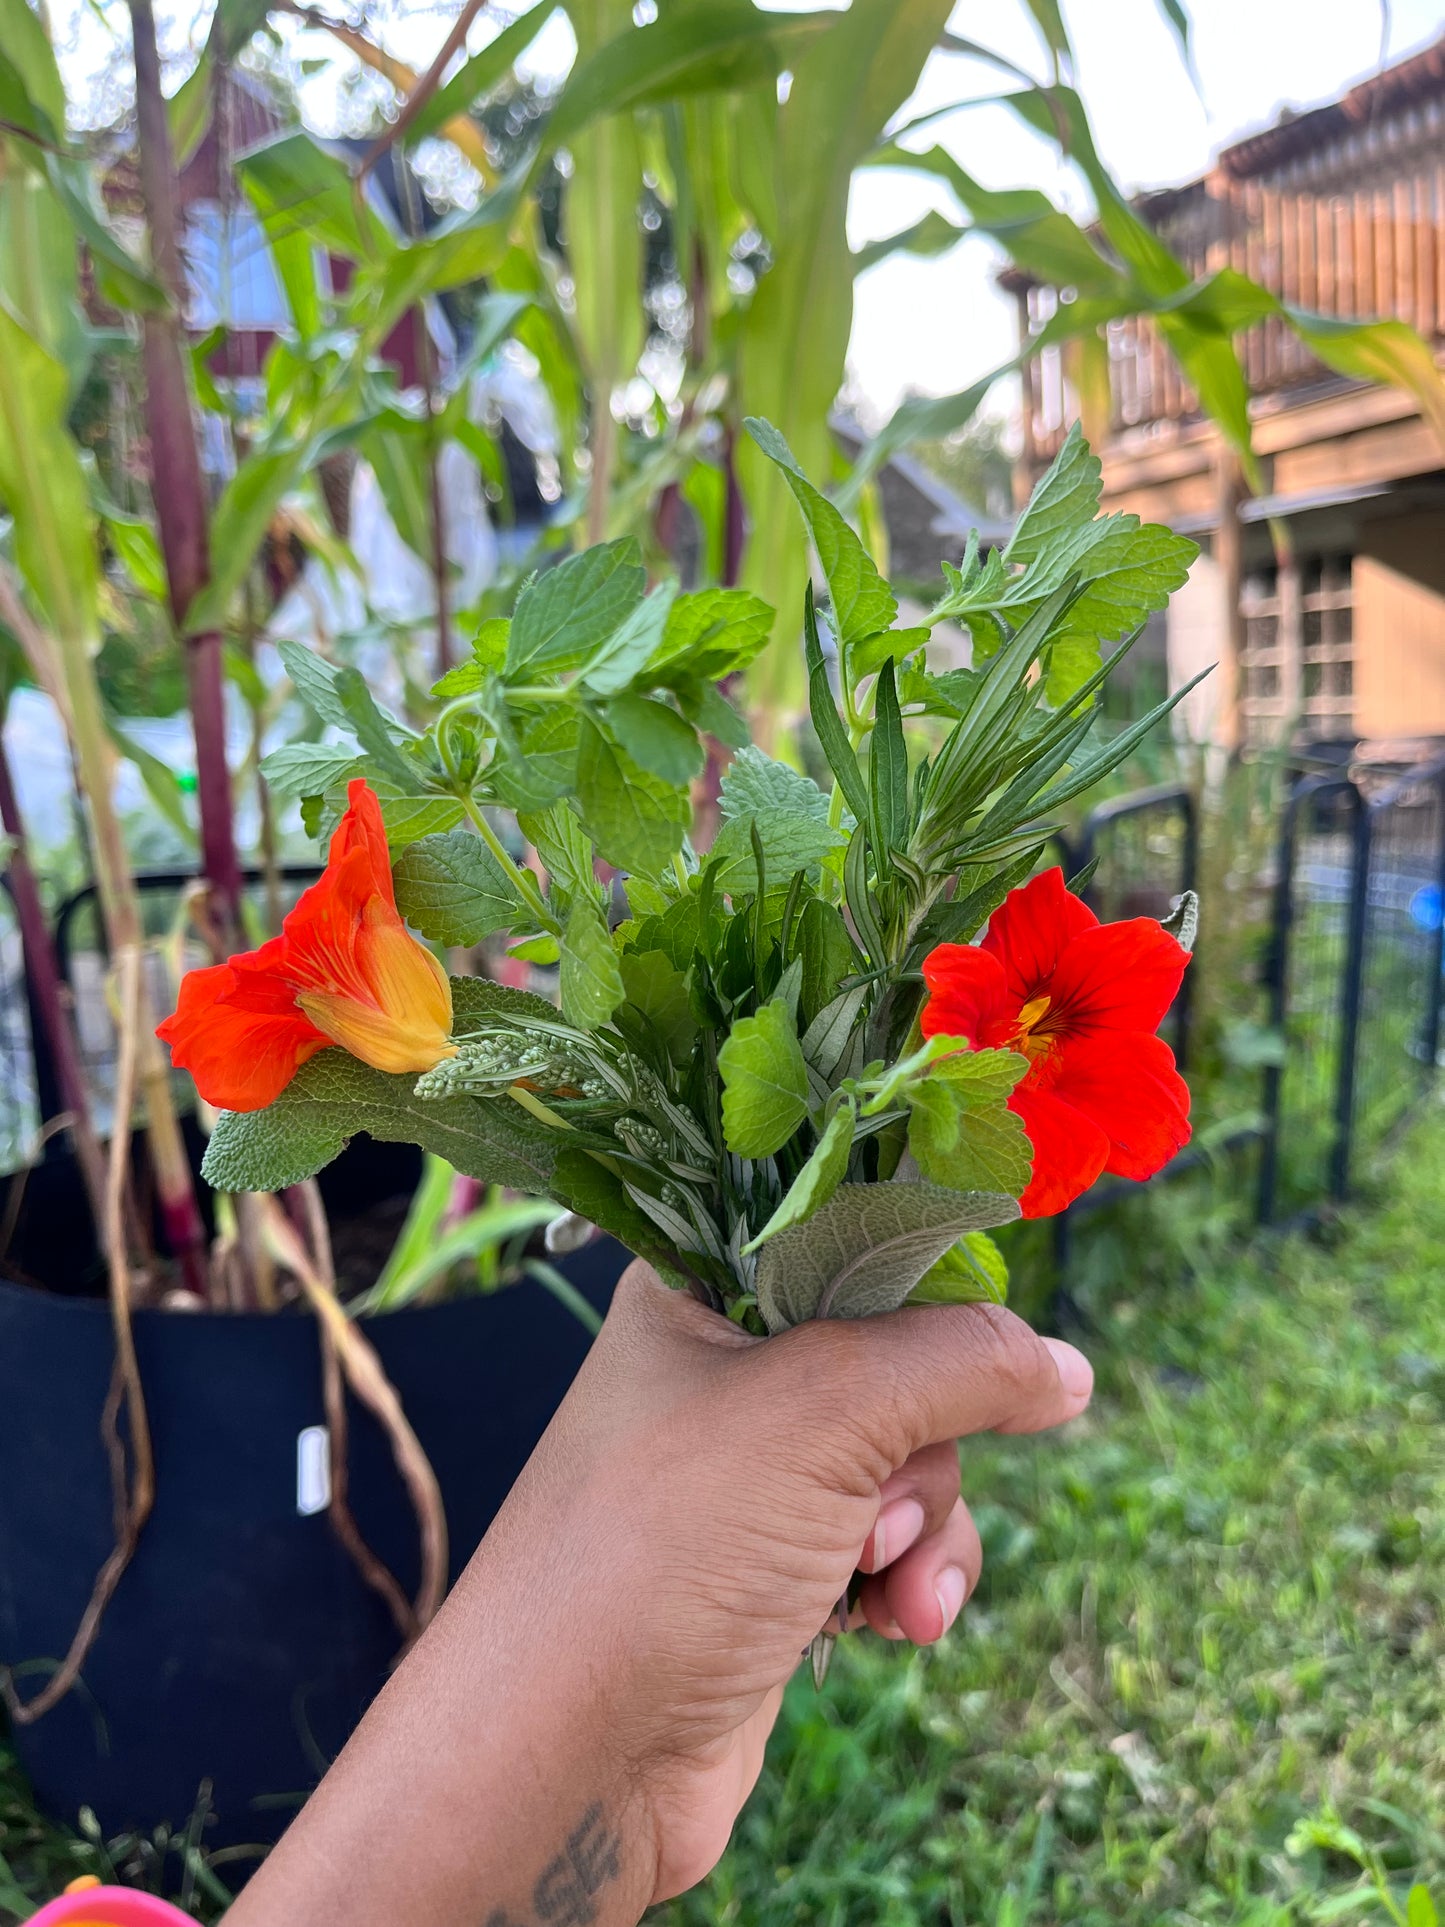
point(1065, 498)
point(765, 1082)
point(335, 1095)
point(753, 781)
point(453, 890)
point(866, 1249)
point(489, 650)
point(862, 601)
point(711, 634)
point(309, 769)
point(566, 853)
point(637, 821)
point(656, 737)
point(818, 1179)
point(591, 981)
point(791, 842)
point(961, 1131)
point(563, 617)
point(631, 644)
point(657, 1015)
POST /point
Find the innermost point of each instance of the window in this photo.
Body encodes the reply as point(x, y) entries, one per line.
point(1327, 649)
point(232, 279)
point(1297, 671)
point(1263, 680)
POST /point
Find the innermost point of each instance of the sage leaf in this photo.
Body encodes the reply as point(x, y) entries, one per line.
point(866, 1249)
point(765, 1082)
point(1182, 923)
point(335, 1095)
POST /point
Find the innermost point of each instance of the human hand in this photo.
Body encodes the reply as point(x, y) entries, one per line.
point(578, 1730)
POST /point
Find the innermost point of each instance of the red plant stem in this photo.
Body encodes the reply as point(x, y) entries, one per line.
point(42, 969)
point(178, 483)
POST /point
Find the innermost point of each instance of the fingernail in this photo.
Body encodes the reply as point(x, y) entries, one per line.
point(899, 1526)
point(1076, 1374)
point(950, 1590)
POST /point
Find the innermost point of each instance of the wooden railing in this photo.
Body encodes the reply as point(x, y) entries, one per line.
point(1352, 226)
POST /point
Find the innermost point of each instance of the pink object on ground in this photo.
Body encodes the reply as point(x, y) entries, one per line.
point(110, 1907)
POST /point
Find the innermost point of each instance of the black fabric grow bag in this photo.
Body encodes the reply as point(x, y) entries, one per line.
point(242, 1645)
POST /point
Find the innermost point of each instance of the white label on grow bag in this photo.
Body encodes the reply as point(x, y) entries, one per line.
point(313, 1470)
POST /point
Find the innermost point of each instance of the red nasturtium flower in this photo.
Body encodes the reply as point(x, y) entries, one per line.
point(1081, 1000)
point(344, 970)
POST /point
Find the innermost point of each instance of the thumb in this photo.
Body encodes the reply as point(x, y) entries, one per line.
point(928, 1373)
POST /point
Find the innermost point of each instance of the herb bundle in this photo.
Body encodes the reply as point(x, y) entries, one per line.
point(789, 1077)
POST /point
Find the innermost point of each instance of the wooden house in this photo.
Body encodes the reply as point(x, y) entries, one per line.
point(1323, 598)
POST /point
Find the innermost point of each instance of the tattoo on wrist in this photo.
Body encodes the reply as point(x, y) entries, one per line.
point(565, 1894)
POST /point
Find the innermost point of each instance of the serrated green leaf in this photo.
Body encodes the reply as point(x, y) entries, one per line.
point(570, 611)
point(591, 982)
point(535, 763)
point(489, 651)
point(453, 890)
point(862, 601)
point(754, 782)
point(336, 693)
point(972, 1272)
point(707, 709)
point(657, 1009)
point(765, 1082)
point(335, 1095)
point(309, 769)
point(637, 821)
point(1065, 498)
point(818, 1179)
point(656, 737)
point(961, 1131)
point(631, 644)
point(866, 1249)
point(563, 845)
point(790, 841)
point(711, 634)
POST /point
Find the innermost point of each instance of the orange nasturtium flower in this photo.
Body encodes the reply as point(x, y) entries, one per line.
point(1081, 1000)
point(344, 970)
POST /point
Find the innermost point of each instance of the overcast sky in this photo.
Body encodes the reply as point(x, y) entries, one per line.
point(933, 326)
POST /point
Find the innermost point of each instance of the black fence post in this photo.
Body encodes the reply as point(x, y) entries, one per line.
point(1276, 983)
point(1351, 993)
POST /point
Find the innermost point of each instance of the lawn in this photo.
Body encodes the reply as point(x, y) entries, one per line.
point(1207, 1659)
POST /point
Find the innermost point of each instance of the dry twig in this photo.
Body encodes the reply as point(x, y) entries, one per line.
point(133, 1486)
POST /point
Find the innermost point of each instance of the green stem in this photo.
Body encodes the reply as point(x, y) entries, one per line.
point(521, 881)
point(530, 1102)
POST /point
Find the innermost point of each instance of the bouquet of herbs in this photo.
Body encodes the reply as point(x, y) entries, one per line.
point(790, 1075)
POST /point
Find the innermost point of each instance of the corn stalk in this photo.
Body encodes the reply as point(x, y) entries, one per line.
point(44, 488)
point(178, 487)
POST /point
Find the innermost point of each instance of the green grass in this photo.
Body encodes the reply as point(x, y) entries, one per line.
point(1211, 1616)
